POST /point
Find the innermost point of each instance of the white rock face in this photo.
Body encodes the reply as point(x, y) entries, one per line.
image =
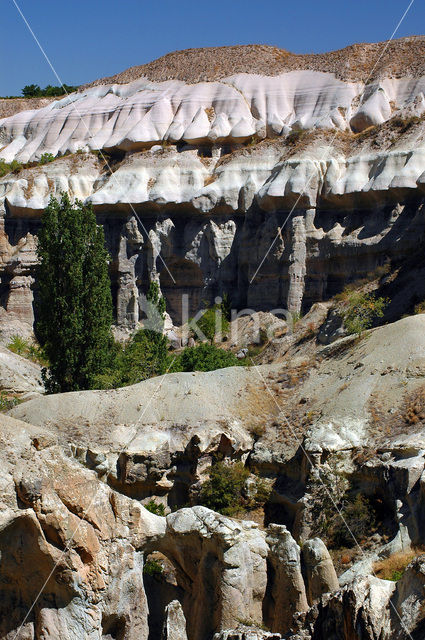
point(142, 113)
point(202, 177)
point(18, 375)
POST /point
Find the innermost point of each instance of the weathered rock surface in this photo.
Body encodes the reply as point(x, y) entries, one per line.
point(286, 587)
point(175, 622)
point(66, 534)
point(205, 174)
point(19, 375)
point(222, 564)
point(319, 570)
point(204, 171)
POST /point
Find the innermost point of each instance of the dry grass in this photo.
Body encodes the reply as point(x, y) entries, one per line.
point(402, 57)
point(393, 567)
point(410, 416)
point(10, 106)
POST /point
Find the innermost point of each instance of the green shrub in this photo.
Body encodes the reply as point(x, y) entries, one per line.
point(205, 357)
point(7, 402)
point(34, 90)
point(222, 492)
point(18, 345)
point(214, 321)
point(27, 349)
point(9, 167)
point(361, 310)
point(155, 507)
point(145, 355)
point(142, 357)
point(359, 515)
point(46, 158)
point(153, 568)
point(396, 575)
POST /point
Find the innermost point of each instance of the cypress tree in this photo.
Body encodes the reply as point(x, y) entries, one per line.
point(74, 310)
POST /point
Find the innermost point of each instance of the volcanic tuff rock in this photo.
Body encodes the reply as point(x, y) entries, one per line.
point(66, 533)
point(203, 168)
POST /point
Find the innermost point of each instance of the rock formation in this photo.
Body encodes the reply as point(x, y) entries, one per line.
point(201, 176)
point(319, 569)
point(175, 622)
point(198, 172)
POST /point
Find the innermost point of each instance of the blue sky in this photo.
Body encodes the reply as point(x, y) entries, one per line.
point(88, 39)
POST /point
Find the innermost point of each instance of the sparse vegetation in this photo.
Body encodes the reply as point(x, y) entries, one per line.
point(34, 91)
point(155, 507)
point(153, 568)
point(420, 307)
point(341, 515)
point(360, 310)
point(225, 490)
point(46, 158)
point(295, 136)
point(27, 349)
point(393, 567)
point(7, 402)
point(9, 167)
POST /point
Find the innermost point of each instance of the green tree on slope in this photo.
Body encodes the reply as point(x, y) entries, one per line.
point(74, 306)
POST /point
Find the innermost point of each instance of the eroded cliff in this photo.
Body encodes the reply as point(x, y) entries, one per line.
point(276, 189)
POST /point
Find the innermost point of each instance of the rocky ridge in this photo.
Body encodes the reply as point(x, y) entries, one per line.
point(205, 175)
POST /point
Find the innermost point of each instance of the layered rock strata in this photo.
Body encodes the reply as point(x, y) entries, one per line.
point(200, 180)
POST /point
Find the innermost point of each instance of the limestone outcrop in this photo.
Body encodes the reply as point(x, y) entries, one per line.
point(18, 375)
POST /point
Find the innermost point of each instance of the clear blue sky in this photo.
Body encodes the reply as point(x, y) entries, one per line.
point(88, 39)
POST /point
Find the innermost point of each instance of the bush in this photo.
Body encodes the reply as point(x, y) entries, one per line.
point(9, 167)
point(214, 321)
point(359, 515)
point(337, 505)
point(153, 568)
point(361, 310)
point(27, 349)
point(18, 345)
point(205, 357)
point(46, 158)
point(222, 492)
point(155, 507)
point(34, 90)
point(145, 355)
